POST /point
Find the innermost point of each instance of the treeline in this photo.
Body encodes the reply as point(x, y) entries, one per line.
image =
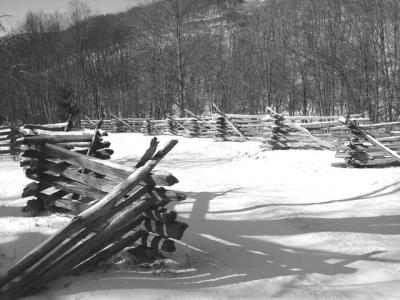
point(320, 57)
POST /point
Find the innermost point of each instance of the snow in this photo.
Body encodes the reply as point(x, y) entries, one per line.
point(262, 225)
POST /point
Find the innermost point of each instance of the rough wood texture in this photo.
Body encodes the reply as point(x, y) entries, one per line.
point(99, 211)
point(230, 122)
point(359, 131)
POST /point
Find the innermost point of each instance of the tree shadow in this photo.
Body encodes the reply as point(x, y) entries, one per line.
point(373, 194)
point(223, 252)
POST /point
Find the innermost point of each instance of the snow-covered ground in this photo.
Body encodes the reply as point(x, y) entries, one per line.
point(262, 225)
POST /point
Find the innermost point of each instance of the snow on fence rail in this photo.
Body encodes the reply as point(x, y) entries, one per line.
point(252, 125)
point(8, 136)
point(360, 152)
point(239, 127)
point(45, 171)
point(125, 208)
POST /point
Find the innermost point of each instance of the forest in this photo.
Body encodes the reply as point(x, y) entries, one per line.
point(300, 57)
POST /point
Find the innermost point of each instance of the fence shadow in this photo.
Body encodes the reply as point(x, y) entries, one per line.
point(229, 252)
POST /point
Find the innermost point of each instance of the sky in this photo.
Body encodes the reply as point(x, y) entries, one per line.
point(16, 9)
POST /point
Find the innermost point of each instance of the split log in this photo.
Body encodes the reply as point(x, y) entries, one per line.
point(359, 131)
point(103, 167)
point(5, 130)
point(5, 138)
point(179, 123)
point(64, 184)
point(71, 145)
point(49, 127)
point(33, 189)
point(37, 140)
point(106, 253)
point(305, 131)
point(155, 241)
point(221, 133)
point(149, 153)
point(80, 253)
point(369, 126)
point(194, 128)
point(97, 211)
point(104, 184)
point(230, 122)
point(160, 214)
point(172, 230)
point(146, 128)
point(123, 122)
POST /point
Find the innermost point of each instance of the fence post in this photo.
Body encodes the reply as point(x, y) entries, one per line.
point(171, 126)
point(221, 132)
point(278, 139)
point(194, 128)
point(146, 127)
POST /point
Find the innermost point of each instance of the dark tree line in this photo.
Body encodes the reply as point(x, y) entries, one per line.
point(320, 57)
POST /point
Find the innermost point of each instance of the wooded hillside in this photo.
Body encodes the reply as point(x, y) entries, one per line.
point(303, 57)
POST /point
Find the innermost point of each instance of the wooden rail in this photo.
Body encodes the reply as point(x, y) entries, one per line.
point(129, 211)
point(371, 149)
point(304, 132)
point(8, 144)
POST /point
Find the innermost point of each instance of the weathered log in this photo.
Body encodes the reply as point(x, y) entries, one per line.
point(64, 184)
point(230, 122)
point(106, 253)
point(103, 167)
point(80, 253)
point(33, 189)
point(161, 214)
point(358, 130)
point(369, 126)
point(194, 128)
point(70, 205)
point(36, 140)
point(71, 145)
point(179, 123)
point(123, 122)
point(221, 132)
point(102, 155)
point(5, 138)
point(146, 127)
point(50, 127)
point(49, 199)
point(149, 153)
point(98, 210)
point(200, 119)
point(305, 131)
point(307, 118)
point(173, 230)
point(5, 130)
point(375, 162)
point(156, 241)
point(42, 201)
point(104, 184)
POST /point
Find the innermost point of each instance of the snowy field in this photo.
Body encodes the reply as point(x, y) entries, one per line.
point(262, 225)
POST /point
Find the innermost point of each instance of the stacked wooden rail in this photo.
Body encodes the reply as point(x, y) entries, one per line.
point(51, 189)
point(359, 152)
point(234, 127)
point(8, 137)
point(127, 211)
point(300, 132)
point(40, 128)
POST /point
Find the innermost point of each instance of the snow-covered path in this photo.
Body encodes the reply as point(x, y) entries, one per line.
point(281, 224)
